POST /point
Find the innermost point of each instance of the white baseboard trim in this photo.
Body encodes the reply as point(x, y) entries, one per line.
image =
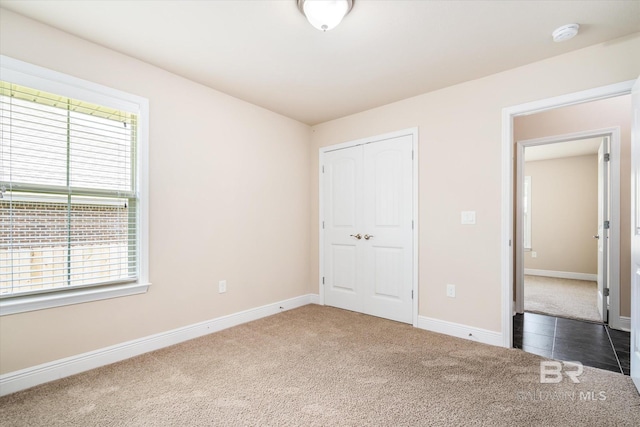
point(29, 377)
point(561, 274)
point(460, 331)
point(625, 323)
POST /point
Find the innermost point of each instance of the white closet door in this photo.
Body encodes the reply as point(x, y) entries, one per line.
point(388, 214)
point(343, 253)
point(368, 237)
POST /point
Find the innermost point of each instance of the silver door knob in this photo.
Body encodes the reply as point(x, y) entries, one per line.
point(367, 236)
point(357, 236)
point(596, 236)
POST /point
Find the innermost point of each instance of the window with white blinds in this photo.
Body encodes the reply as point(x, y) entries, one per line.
point(68, 193)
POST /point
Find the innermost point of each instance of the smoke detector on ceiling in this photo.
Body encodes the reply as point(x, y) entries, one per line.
point(565, 32)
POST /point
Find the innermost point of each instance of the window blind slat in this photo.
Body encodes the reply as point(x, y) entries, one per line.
point(115, 260)
point(44, 139)
point(116, 273)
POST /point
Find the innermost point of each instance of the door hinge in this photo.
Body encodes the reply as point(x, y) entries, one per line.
point(607, 225)
point(605, 291)
point(412, 224)
point(322, 168)
point(323, 280)
point(323, 225)
point(411, 293)
point(607, 157)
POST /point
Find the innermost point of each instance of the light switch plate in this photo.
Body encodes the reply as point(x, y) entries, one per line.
point(468, 217)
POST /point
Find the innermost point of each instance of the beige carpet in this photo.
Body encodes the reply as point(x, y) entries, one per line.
point(575, 299)
point(320, 366)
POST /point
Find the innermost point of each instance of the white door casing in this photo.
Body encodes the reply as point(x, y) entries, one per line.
point(509, 244)
point(635, 235)
point(603, 232)
point(367, 233)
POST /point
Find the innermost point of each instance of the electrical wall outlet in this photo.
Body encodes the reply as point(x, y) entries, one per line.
point(451, 291)
point(534, 254)
point(222, 286)
point(468, 217)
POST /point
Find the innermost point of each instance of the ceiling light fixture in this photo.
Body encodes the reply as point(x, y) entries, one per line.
point(565, 32)
point(325, 14)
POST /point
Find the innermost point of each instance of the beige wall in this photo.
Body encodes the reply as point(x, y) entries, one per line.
point(564, 215)
point(613, 112)
point(228, 200)
point(251, 180)
point(460, 169)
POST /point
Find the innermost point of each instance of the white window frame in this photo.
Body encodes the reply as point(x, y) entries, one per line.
point(29, 75)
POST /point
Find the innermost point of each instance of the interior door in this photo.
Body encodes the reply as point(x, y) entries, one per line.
point(368, 234)
point(388, 242)
point(603, 231)
point(635, 237)
point(343, 249)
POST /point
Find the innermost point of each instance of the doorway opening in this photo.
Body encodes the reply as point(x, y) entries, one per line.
point(568, 225)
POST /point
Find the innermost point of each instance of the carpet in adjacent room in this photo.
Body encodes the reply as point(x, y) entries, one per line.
point(573, 299)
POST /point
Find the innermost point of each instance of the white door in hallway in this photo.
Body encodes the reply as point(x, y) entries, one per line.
point(635, 236)
point(603, 231)
point(368, 234)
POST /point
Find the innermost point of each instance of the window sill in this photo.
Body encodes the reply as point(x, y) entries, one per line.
point(22, 304)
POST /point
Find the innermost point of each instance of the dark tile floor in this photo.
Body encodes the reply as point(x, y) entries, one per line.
point(593, 344)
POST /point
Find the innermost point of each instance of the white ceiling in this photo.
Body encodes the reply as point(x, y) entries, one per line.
point(265, 52)
point(581, 147)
